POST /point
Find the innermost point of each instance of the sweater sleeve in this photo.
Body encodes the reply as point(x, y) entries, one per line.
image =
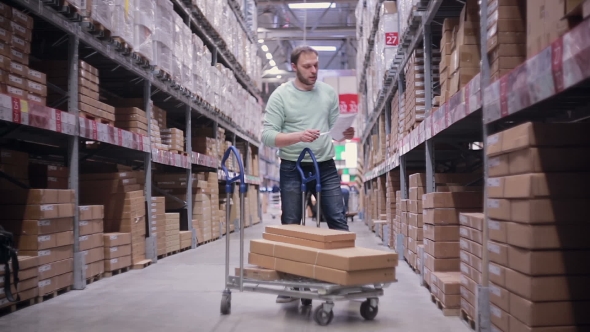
point(273, 120)
point(334, 109)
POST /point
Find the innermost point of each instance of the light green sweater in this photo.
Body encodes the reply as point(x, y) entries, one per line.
point(292, 110)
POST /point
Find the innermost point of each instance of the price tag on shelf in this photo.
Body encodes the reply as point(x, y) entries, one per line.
point(557, 65)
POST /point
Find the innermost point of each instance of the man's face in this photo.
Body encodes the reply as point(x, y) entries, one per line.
point(307, 68)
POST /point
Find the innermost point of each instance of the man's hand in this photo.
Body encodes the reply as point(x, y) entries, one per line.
point(309, 135)
point(348, 133)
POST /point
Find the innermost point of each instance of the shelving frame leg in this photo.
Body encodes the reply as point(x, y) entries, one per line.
point(151, 242)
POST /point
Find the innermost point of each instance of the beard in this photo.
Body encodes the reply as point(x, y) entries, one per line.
point(305, 80)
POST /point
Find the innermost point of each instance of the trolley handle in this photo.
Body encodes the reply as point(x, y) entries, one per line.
point(316, 176)
point(239, 177)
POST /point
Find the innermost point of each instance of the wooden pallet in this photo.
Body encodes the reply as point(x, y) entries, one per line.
point(96, 118)
point(468, 320)
point(446, 311)
point(142, 264)
point(116, 272)
point(53, 294)
point(96, 29)
point(17, 306)
point(140, 59)
point(121, 45)
point(94, 278)
point(185, 249)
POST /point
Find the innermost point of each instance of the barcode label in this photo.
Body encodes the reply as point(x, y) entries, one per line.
point(114, 249)
point(493, 182)
point(44, 223)
point(494, 225)
point(113, 237)
point(495, 270)
point(493, 203)
point(44, 268)
point(44, 283)
point(84, 238)
point(84, 208)
point(46, 207)
point(495, 290)
point(493, 139)
point(114, 261)
point(44, 238)
point(494, 248)
point(44, 253)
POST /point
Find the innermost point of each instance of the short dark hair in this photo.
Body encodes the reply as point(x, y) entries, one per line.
point(301, 49)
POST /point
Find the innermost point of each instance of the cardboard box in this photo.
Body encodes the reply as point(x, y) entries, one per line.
point(498, 166)
point(471, 273)
point(441, 265)
point(471, 234)
point(547, 262)
point(453, 200)
point(471, 247)
point(497, 274)
point(56, 268)
point(114, 264)
point(416, 193)
point(472, 220)
point(471, 260)
point(91, 212)
point(347, 259)
point(562, 313)
point(91, 241)
point(37, 212)
point(41, 242)
point(415, 219)
point(51, 255)
point(116, 252)
point(499, 318)
point(449, 301)
point(544, 135)
point(441, 249)
point(116, 239)
point(309, 233)
point(554, 185)
point(308, 243)
point(94, 269)
point(345, 278)
point(468, 283)
point(256, 273)
point(497, 231)
point(447, 282)
point(547, 236)
point(444, 216)
point(93, 255)
point(38, 227)
point(498, 253)
point(441, 233)
point(55, 283)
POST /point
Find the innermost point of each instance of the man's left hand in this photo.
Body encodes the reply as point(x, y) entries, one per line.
point(348, 133)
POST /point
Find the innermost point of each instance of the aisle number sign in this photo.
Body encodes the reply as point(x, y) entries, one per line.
point(348, 103)
point(391, 38)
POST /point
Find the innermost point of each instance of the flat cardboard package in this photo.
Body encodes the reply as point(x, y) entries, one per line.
point(310, 233)
point(441, 249)
point(114, 264)
point(472, 220)
point(441, 265)
point(537, 314)
point(56, 268)
point(38, 227)
point(546, 236)
point(471, 247)
point(116, 239)
point(40, 242)
point(441, 233)
point(308, 243)
point(256, 273)
point(453, 200)
point(50, 255)
point(445, 216)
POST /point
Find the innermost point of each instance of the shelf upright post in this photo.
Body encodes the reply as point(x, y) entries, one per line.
point(430, 168)
point(151, 243)
point(73, 160)
point(402, 158)
point(483, 297)
point(189, 175)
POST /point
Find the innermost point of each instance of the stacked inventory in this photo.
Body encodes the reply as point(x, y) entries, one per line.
point(186, 239)
point(381, 207)
point(506, 36)
point(91, 228)
point(392, 184)
point(172, 232)
point(471, 242)
point(28, 286)
point(44, 176)
point(404, 228)
point(414, 218)
point(397, 221)
point(446, 50)
point(204, 145)
point(117, 252)
point(321, 254)
point(16, 78)
point(202, 212)
point(396, 131)
point(173, 138)
point(545, 23)
point(42, 223)
point(213, 193)
point(158, 218)
point(466, 49)
point(158, 122)
point(445, 287)
point(124, 205)
point(131, 119)
point(415, 103)
point(537, 201)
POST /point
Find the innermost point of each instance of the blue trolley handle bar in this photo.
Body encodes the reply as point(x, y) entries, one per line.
point(228, 191)
point(305, 181)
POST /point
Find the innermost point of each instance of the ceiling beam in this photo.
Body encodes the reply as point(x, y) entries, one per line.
point(262, 2)
point(317, 34)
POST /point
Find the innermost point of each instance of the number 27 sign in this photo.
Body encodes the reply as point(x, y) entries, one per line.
point(391, 38)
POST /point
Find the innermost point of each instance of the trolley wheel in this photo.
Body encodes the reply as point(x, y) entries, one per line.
point(306, 302)
point(225, 304)
point(367, 311)
point(321, 317)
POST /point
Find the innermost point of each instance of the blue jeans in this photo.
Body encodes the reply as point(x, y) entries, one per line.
point(332, 204)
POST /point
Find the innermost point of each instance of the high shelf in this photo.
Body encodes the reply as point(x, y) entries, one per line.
point(549, 83)
point(69, 45)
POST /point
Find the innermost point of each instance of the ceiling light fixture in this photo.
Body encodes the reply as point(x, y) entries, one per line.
point(268, 56)
point(260, 41)
point(279, 76)
point(272, 63)
point(264, 48)
point(324, 48)
point(313, 5)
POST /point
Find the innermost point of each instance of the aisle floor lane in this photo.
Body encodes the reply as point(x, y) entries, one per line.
point(183, 293)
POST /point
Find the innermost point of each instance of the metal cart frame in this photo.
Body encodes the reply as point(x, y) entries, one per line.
point(297, 287)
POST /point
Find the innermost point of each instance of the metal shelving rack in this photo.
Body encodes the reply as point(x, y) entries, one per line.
point(63, 136)
point(551, 86)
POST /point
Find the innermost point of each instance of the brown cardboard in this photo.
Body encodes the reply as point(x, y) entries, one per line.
point(415, 206)
point(93, 255)
point(500, 297)
point(444, 216)
point(255, 273)
point(498, 253)
point(549, 313)
point(56, 268)
point(470, 272)
point(441, 265)
point(472, 220)
point(518, 326)
point(535, 160)
point(448, 282)
point(468, 296)
point(322, 273)
point(347, 259)
point(449, 301)
point(308, 243)
point(94, 269)
point(471, 247)
point(544, 134)
point(441, 249)
point(26, 262)
point(471, 260)
point(547, 288)
point(548, 236)
point(416, 193)
point(116, 239)
point(500, 318)
point(498, 208)
point(468, 283)
point(536, 211)
point(51, 255)
point(495, 187)
point(556, 185)
point(40, 242)
point(415, 233)
point(55, 283)
point(91, 212)
point(494, 144)
point(88, 227)
point(497, 274)
point(497, 230)
point(452, 200)
point(38, 227)
point(548, 262)
point(91, 241)
point(441, 233)
point(38, 212)
point(471, 234)
point(35, 196)
point(117, 263)
point(498, 165)
point(470, 310)
point(415, 220)
point(310, 233)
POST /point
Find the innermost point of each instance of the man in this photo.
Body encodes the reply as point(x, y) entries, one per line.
point(296, 113)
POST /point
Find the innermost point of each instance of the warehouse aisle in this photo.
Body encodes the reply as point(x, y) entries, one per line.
point(183, 292)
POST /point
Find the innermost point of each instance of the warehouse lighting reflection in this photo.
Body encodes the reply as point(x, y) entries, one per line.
point(324, 48)
point(268, 56)
point(272, 63)
point(264, 48)
point(317, 5)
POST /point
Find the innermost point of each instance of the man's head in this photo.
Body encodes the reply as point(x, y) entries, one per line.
point(305, 63)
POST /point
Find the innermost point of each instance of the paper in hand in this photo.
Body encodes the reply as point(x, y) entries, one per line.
point(343, 122)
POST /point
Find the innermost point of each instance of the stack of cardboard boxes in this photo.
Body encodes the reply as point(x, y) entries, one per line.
point(381, 216)
point(465, 49)
point(205, 145)
point(16, 78)
point(16, 165)
point(117, 252)
point(392, 185)
point(42, 223)
point(158, 122)
point(414, 217)
point(415, 109)
point(131, 119)
point(172, 232)
point(91, 227)
point(471, 242)
point(124, 205)
point(545, 23)
point(446, 51)
point(404, 228)
point(213, 193)
point(537, 226)
point(173, 138)
point(322, 254)
point(45, 176)
point(442, 235)
point(202, 215)
point(28, 286)
point(397, 222)
point(506, 36)
point(158, 219)
point(174, 184)
point(186, 239)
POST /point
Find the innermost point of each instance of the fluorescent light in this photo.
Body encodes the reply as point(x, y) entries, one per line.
point(279, 76)
point(324, 48)
point(313, 5)
point(264, 48)
point(260, 41)
point(268, 56)
point(272, 63)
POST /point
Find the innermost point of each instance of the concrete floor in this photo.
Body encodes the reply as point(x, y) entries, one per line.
point(183, 292)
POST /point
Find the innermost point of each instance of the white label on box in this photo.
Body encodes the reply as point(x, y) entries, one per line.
point(122, 175)
point(114, 261)
point(52, 168)
point(44, 253)
point(83, 223)
point(493, 182)
point(464, 256)
point(20, 15)
point(464, 280)
point(47, 207)
point(494, 270)
point(492, 224)
point(114, 249)
point(44, 223)
point(125, 181)
point(493, 162)
point(44, 238)
point(493, 139)
point(113, 237)
point(493, 203)
point(464, 232)
point(462, 219)
point(84, 208)
point(495, 290)
point(494, 248)
point(36, 74)
point(44, 283)
point(85, 253)
point(18, 40)
point(15, 79)
point(2, 32)
point(463, 244)
point(16, 66)
point(495, 311)
point(18, 27)
point(15, 91)
point(35, 98)
point(464, 269)
point(44, 268)
point(51, 179)
point(84, 238)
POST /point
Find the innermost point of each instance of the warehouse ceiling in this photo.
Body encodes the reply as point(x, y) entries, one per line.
point(328, 26)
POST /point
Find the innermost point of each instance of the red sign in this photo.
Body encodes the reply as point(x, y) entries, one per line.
point(349, 103)
point(391, 38)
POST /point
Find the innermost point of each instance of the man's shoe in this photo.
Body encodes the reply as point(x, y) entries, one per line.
point(285, 299)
